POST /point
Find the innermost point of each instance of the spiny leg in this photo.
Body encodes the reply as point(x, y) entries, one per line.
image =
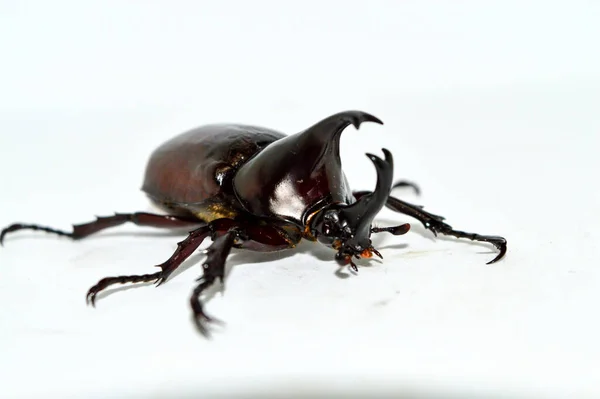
point(435, 224)
point(214, 268)
point(184, 249)
point(263, 236)
point(83, 230)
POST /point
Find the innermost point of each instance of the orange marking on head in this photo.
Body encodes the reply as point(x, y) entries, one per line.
point(366, 253)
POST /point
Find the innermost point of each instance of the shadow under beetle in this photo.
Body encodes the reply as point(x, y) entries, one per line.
point(256, 188)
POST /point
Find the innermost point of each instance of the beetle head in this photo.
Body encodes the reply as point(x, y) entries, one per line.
point(347, 228)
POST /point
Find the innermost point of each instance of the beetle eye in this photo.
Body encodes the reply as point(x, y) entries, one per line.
point(331, 216)
point(330, 227)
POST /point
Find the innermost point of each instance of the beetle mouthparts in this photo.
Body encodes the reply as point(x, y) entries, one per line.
point(368, 253)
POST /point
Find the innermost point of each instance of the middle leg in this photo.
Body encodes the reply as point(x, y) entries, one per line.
point(184, 249)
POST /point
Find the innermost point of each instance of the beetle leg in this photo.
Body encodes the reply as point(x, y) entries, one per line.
point(395, 230)
point(184, 249)
point(406, 183)
point(214, 268)
point(274, 236)
point(83, 230)
point(436, 225)
point(225, 233)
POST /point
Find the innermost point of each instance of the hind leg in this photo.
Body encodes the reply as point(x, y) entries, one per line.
point(83, 230)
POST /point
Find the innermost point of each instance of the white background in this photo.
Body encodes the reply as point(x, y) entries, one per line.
point(492, 107)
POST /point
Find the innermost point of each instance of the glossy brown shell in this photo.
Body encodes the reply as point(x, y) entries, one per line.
point(230, 170)
point(192, 172)
point(299, 174)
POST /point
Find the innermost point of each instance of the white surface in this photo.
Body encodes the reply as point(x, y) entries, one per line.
point(492, 109)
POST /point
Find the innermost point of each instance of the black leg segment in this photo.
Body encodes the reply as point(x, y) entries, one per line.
point(225, 233)
point(435, 224)
point(214, 268)
point(83, 230)
point(184, 249)
point(406, 183)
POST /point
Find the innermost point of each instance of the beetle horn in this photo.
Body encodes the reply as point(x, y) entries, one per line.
point(306, 162)
point(328, 130)
point(361, 214)
point(333, 125)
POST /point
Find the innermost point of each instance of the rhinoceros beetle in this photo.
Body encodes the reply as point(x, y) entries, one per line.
point(256, 188)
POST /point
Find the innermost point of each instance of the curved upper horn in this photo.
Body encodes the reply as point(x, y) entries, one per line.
point(305, 165)
point(331, 127)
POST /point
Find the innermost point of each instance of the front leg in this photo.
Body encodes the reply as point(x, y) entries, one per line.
point(214, 268)
point(436, 224)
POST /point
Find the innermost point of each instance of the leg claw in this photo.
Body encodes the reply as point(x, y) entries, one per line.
point(90, 298)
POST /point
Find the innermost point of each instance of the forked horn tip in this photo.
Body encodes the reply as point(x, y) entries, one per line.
point(389, 160)
point(371, 118)
point(357, 118)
